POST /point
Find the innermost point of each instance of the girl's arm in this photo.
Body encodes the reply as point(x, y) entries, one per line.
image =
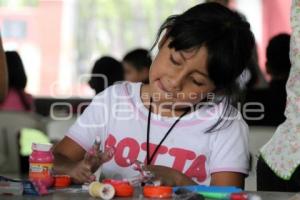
point(228, 179)
point(67, 160)
point(66, 154)
point(3, 73)
point(172, 177)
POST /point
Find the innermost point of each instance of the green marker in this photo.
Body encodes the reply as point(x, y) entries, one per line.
point(215, 195)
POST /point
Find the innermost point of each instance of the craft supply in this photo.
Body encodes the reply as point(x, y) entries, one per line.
point(135, 180)
point(95, 148)
point(244, 196)
point(205, 188)
point(62, 181)
point(11, 188)
point(187, 195)
point(29, 187)
point(41, 187)
point(41, 164)
point(146, 177)
point(93, 153)
point(157, 191)
point(102, 190)
point(214, 192)
point(122, 188)
point(238, 196)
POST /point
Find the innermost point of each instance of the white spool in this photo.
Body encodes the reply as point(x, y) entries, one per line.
point(107, 191)
point(93, 187)
point(104, 191)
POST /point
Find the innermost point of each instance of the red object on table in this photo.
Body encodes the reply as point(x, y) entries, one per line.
point(62, 181)
point(238, 196)
point(41, 164)
point(122, 188)
point(158, 191)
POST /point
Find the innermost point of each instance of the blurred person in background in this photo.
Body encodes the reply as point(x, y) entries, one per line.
point(222, 2)
point(108, 68)
point(17, 99)
point(136, 65)
point(3, 73)
point(273, 98)
point(278, 64)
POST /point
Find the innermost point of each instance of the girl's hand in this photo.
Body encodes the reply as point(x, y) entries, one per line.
point(93, 159)
point(81, 172)
point(169, 176)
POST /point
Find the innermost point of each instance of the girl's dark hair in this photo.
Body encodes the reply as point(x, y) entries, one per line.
point(278, 59)
point(17, 78)
point(228, 40)
point(109, 67)
point(16, 73)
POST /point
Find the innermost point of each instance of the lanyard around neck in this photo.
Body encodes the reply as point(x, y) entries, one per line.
point(150, 158)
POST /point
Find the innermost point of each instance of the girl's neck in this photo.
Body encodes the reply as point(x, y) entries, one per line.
point(145, 97)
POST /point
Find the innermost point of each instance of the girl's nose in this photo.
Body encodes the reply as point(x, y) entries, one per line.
point(176, 83)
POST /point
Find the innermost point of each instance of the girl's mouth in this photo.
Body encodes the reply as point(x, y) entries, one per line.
point(161, 86)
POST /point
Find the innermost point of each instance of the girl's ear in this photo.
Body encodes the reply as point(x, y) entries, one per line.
point(163, 40)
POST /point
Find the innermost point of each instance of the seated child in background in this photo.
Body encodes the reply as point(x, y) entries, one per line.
point(182, 124)
point(107, 67)
point(136, 65)
point(272, 98)
point(3, 73)
point(17, 99)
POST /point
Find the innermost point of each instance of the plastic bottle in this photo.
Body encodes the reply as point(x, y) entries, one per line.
point(41, 164)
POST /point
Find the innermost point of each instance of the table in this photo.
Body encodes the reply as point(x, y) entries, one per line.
point(77, 194)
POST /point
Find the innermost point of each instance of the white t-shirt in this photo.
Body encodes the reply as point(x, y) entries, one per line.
point(119, 117)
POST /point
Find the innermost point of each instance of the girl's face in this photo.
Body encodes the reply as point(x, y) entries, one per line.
point(179, 78)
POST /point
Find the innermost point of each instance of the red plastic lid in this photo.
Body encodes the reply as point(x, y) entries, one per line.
point(158, 191)
point(122, 188)
point(238, 196)
point(62, 181)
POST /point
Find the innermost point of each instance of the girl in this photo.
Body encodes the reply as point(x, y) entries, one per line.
point(181, 124)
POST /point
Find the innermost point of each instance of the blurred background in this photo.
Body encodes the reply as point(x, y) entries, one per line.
point(59, 40)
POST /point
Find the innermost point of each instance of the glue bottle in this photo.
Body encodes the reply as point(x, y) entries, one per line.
point(41, 164)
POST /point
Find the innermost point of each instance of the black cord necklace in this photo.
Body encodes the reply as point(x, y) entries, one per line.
point(150, 158)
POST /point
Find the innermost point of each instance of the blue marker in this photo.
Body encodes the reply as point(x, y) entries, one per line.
point(214, 192)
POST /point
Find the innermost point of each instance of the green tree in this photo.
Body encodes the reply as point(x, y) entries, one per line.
point(112, 27)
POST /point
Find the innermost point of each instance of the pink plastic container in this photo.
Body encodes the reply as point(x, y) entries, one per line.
point(41, 164)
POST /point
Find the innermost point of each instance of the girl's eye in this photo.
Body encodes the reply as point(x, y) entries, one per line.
point(174, 61)
point(197, 82)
